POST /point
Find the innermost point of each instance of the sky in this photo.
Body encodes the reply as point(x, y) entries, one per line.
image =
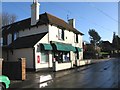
point(101, 16)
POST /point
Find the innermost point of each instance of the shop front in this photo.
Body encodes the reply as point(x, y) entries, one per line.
point(62, 55)
point(59, 56)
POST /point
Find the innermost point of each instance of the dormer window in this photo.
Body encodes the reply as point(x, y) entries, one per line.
point(76, 38)
point(60, 34)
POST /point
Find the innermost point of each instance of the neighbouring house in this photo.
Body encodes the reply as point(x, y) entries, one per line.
point(43, 39)
point(106, 48)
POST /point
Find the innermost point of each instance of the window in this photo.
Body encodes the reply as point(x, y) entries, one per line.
point(1, 41)
point(76, 38)
point(4, 40)
point(62, 57)
point(16, 34)
point(66, 57)
point(44, 56)
point(9, 39)
point(60, 34)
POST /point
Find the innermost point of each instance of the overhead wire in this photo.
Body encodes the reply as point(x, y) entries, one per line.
point(104, 13)
point(81, 17)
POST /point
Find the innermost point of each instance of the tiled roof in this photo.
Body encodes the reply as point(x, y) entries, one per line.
point(27, 41)
point(43, 19)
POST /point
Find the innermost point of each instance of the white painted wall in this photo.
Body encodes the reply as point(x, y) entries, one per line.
point(40, 65)
point(62, 66)
point(53, 35)
point(33, 30)
point(69, 39)
point(50, 63)
point(22, 53)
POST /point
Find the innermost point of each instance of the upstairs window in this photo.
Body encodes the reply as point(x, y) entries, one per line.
point(1, 41)
point(9, 39)
point(60, 34)
point(16, 35)
point(4, 40)
point(76, 38)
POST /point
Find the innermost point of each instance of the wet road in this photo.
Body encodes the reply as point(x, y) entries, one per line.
point(100, 75)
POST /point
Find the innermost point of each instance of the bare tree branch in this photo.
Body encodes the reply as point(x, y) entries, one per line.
point(8, 18)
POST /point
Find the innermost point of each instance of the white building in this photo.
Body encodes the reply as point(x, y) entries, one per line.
point(42, 39)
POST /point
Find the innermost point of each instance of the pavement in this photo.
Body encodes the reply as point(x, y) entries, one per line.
point(48, 75)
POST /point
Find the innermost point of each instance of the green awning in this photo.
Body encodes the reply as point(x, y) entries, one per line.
point(63, 47)
point(46, 46)
point(78, 49)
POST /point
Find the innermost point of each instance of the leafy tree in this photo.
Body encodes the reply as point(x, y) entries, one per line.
point(116, 41)
point(94, 37)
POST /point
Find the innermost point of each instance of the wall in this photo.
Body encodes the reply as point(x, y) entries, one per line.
point(69, 39)
point(39, 65)
point(61, 66)
point(27, 32)
point(22, 53)
point(33, 30)
point(69, 36)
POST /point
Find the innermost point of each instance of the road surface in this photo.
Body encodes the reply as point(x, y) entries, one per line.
point(104, 74)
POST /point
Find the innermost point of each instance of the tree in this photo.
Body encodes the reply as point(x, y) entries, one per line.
point(116, 41)
point(94, 37)
point(8, 18)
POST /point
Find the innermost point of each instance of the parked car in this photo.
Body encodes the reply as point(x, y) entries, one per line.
point(4, 82)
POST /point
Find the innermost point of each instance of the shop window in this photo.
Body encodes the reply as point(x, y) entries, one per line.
point(62, 57)
point(60, 34)
point(66, 57)
point(76, 38)
point(58, 57)
point(44, 57)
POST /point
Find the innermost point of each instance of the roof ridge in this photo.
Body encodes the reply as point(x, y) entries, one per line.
point(44, 18)
point(55, 17)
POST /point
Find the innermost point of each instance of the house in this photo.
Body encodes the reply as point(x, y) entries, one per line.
point(106, 49)
point(106, 46)
point(46, 41)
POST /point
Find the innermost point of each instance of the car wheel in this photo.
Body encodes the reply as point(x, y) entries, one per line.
point(2, 87)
